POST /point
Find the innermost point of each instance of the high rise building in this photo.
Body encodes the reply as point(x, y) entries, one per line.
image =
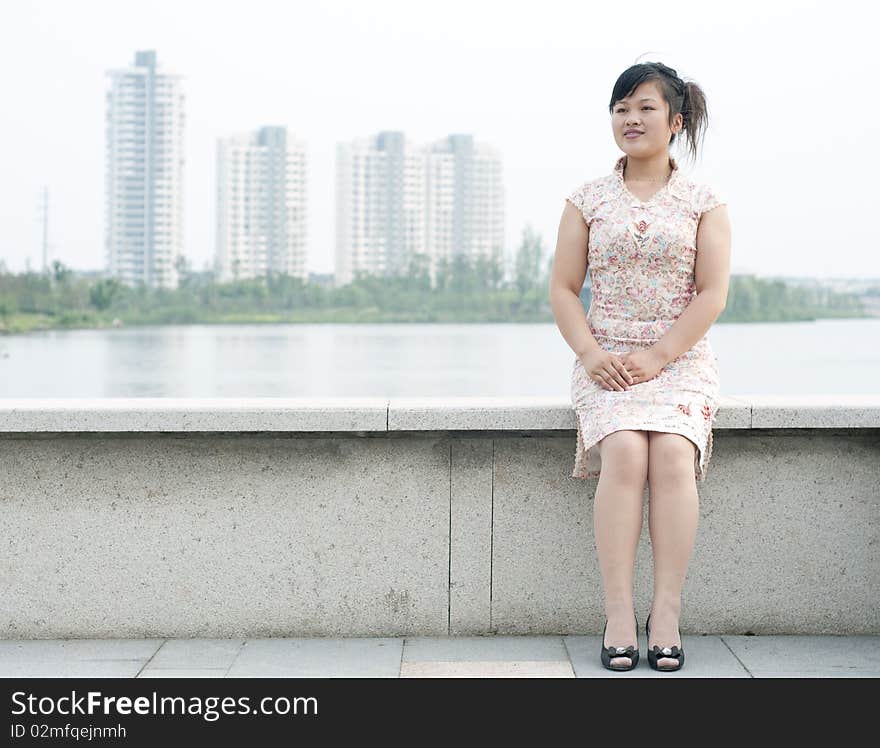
point(261, 205)
point(396, 200)
point(144, 173)
point(380, 205)
point(465, 201)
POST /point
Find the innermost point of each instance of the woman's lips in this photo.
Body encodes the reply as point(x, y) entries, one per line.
point(632, 135)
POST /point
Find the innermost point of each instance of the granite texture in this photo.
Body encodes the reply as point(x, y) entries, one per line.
point(470, 552)
point(397, 414)
point(129, 536)
point(456, 519)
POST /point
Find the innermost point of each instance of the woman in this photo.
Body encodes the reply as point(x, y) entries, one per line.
point(645, 380)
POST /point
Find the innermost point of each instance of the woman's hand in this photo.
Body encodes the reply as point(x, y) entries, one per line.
point(606, 369)
point(643, 365)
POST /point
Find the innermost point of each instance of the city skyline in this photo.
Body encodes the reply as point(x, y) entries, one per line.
point(535, 90)
point(395, 199)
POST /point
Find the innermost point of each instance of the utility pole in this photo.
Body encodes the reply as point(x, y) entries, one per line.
point(45, 217)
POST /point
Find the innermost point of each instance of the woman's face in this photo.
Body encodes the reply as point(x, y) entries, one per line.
point(646, 111)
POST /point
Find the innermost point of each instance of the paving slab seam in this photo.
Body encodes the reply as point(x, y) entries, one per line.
point(568, 654)
point(161, 644)
point(724, 641)
point(400, 664)
point(237, 655)
point(234, 659)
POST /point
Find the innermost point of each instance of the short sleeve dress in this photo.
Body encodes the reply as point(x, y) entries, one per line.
point(641, 258)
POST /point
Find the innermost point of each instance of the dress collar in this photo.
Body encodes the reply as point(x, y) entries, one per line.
point(670, 186)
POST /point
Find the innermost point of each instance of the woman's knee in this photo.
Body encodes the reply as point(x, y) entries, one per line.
point(626, 453)
point(670, 456)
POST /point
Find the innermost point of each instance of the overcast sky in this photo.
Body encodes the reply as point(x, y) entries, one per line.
point(794, 118)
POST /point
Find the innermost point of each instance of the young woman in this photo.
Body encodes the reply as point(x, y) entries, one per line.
point(645, 380)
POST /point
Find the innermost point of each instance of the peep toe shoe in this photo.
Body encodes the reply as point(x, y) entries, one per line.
point(610, 653)
point(658, 653)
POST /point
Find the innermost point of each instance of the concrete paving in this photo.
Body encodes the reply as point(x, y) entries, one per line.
point(429, 657)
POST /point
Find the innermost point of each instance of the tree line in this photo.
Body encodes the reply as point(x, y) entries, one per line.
point(462, 291)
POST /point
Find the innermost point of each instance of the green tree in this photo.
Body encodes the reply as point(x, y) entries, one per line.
point(60, 272)
point(7, 309)
point(528, 279)
point(102, 293)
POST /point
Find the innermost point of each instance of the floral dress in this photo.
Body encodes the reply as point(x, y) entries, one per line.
point(641, 258)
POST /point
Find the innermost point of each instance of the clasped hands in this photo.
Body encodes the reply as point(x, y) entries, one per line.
point(618, 372)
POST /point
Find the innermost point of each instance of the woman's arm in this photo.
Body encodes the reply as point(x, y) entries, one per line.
point(567, 278)
point(712, 277)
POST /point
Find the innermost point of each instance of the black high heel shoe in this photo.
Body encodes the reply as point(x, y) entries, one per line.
point(609, 653)
point(655, 653)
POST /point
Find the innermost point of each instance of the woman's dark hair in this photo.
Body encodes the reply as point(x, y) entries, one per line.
point(684, 97)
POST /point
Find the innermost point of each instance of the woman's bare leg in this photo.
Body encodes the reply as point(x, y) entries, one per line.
point(617, 520)
point(672, 521)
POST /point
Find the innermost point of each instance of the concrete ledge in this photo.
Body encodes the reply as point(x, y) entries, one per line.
point(265, 517)
point(818, 411)
point(398, 414)
point(193, 414)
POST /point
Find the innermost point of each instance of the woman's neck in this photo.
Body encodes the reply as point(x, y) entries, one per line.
point(655, 169)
